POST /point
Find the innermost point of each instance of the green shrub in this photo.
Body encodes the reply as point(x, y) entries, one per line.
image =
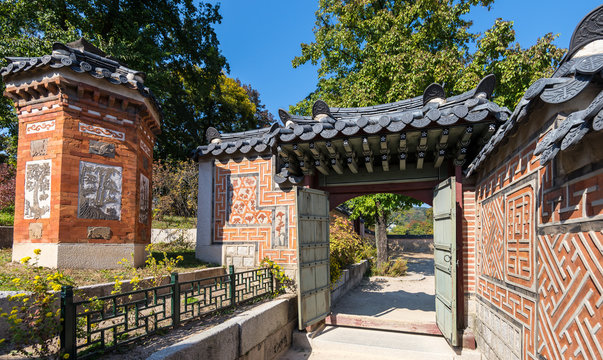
point(7, 216)
point(283, 282)
point(346, 246)
point(34, 318)
point(393, 268)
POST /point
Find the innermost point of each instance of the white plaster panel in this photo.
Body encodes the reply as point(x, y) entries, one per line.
point(37, 189)
point(101, 131)
point(39, 127)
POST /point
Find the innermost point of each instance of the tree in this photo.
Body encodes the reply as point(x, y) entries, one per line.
point(415, 221)
point(375, 51)
point(376, 210)
point(173, 42)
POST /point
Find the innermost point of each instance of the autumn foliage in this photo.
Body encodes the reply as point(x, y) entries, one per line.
point(175, 188)
point(7, 186)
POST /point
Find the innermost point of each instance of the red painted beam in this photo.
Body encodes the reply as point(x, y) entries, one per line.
point(420, 190)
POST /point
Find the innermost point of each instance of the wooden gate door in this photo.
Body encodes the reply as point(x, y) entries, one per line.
point(313, 290)
point(444, 239)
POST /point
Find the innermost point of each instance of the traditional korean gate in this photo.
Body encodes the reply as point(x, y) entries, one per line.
point(314, 293)
point(444, 239)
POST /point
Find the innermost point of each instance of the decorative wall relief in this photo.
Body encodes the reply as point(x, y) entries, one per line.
point(39, 127)
point(280, 227)
point(35, 230)
point(144, 199)
point(38, 147)
point(145, 148)
point(99, 191)
point(520, 237)
point(101, 131)
point(491, 245)
point(244, 210)
point(102, 148)
point(37, 189)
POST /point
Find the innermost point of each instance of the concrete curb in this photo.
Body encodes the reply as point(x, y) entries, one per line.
point(350, 277)
point(264, 332)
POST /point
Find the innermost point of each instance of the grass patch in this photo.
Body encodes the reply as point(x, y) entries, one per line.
point(10, 270)
point(175, 222)
point(7, 216)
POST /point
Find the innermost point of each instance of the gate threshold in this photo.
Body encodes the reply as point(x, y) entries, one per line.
point(371, 322)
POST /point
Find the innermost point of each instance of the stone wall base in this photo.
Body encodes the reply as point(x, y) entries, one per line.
point(497, 335)
point(6, 236)
point(81, 256)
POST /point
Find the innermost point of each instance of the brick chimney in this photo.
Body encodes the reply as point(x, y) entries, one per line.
point(87, 127)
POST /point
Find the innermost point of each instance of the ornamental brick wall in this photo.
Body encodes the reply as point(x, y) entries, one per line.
point(253, 217)
point(79, 125)
point(539, 247)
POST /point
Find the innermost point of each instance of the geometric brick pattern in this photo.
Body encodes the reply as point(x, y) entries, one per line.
point(491, 244)
point(469, 243)
point(571, 295)
point(516, 305)
point(520, 237)
point(246, 186)
point(243, 202)
point(549, 284)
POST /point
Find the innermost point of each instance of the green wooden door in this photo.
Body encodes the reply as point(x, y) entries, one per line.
point(444, 239)
point(314, 293)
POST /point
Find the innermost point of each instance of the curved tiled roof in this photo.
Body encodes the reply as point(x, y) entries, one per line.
point(567, 83)
point(429, 110)
point(82, 57)
point(569, 80)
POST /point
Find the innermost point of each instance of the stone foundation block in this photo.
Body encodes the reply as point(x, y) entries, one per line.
point(219, 343)
point(261, 322)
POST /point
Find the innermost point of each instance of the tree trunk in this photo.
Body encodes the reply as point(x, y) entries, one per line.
point(381, 236)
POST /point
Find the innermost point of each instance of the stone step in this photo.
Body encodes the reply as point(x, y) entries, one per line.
point(355, 344)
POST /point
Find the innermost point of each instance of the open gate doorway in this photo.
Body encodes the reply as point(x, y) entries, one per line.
point(415, 147)
point(313, 248)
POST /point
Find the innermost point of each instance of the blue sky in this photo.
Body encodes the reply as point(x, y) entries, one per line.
point(260, 38)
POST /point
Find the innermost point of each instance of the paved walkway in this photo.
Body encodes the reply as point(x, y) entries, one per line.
point(357, 327)
point(335, 342)
point(405, 304)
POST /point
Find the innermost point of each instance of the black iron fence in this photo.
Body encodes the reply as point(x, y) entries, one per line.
point(90, 327)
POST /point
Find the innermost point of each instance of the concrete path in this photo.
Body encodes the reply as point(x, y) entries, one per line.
point(404, 304)
point(355, 344)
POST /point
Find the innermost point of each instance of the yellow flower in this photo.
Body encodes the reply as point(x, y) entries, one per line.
point(2, 340)
point(37, 251)
point(25, 259)
point(25, 300)
point(49, 314)
point(37, 277)
point(18, 321)
point(16, 281)
point(3, 314)
point(66, 356)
